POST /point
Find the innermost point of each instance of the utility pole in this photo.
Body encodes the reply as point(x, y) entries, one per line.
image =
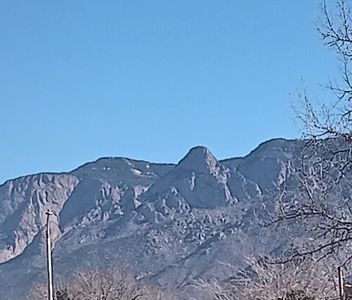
point(48, 258)
point(341, 283)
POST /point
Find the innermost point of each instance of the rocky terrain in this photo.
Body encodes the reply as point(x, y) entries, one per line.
point(168, 223)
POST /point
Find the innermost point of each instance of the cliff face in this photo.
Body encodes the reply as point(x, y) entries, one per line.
point(23, 203)
point(169, 223)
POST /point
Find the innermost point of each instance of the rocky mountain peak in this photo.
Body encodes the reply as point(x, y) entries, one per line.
point(200, 159)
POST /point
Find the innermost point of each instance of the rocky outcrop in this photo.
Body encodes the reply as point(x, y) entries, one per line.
point(24, 202)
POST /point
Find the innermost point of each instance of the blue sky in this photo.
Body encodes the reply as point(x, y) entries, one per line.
point(150, 79)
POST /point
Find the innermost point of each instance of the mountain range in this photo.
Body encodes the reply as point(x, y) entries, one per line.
point(169, 223)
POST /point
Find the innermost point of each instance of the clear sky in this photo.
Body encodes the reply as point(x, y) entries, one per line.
point(81, 79)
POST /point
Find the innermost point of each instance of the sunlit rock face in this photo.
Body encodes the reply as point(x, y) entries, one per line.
point(24, 202)
point(170, 223)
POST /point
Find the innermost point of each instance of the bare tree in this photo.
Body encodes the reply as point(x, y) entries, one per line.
point(261, 281)
point(334, 119)
point(100, 284)
point(322, 204)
